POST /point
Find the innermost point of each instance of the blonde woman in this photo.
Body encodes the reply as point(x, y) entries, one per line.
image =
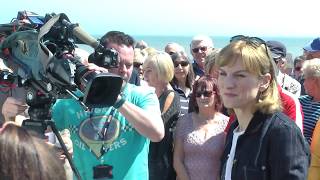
point(262, 143)
point(158, 72)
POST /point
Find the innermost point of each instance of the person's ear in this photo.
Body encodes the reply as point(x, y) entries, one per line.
point(265, 82)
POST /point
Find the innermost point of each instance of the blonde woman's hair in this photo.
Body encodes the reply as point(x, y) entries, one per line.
point(311, 68)
point(148, 51)
point(139, 56)
point(163, 65)
point(256, 60)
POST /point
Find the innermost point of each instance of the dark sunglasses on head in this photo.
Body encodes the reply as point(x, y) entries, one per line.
point(196, 50)
point(182, 63)
point(171, 53)
point(137, 65)
point(204, 93)
point(253, 41)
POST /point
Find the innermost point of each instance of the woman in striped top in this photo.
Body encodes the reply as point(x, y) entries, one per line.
point(311, 102)
point(183, 79)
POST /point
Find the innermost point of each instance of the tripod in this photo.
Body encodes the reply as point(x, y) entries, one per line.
point(40, 120)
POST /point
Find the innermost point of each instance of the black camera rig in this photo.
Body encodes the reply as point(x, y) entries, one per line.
point(42, 52)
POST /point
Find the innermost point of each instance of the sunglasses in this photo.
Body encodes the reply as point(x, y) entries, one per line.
point(297, 68)
point(196, 50)
point(204, 93)
point(137, 65)
point(278, 60)
point(182, 63)
point(252, 41)
point(171, 53)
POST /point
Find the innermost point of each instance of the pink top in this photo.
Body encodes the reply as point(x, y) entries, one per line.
point(202, 152)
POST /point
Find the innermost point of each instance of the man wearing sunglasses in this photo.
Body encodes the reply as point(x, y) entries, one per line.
point(279, 53)
point(200, 46)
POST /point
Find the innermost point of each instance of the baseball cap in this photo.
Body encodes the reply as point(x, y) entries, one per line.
point(277, 49)
point(313, 46)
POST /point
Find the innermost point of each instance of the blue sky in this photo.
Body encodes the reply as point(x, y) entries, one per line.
point(181, 17)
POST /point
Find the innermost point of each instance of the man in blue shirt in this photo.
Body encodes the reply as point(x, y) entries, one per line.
point(120, 150)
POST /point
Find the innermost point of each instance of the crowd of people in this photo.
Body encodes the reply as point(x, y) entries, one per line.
point(235, 112)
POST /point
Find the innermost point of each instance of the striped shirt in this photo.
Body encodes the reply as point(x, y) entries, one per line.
point(311, 112)
point(184, 101)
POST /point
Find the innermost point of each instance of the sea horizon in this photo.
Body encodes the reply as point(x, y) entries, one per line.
point(294, 45)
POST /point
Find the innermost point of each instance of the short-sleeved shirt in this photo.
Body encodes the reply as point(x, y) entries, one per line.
point(125, 149)
point(311, 112)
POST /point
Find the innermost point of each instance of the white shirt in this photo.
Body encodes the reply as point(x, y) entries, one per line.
point(229, 165)
point(288, 83)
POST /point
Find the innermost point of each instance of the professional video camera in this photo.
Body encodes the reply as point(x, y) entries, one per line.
point(46, 60)
point(42, 49)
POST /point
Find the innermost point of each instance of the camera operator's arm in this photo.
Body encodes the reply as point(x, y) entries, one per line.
point(147, 122)
point(12, 107)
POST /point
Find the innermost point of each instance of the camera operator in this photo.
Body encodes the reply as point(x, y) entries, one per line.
point(12, 98)
point(112, 142)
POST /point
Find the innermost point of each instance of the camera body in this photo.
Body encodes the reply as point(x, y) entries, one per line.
point(107, 58)
point(46, 62)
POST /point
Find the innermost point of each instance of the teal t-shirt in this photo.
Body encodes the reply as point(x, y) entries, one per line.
point(125, 149)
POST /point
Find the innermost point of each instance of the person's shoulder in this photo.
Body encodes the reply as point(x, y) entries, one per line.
point(280, 120)
point(185, 120)
point(293, 84)
point(291, 79)
point(287, 97)
point(66, 102)
point(143, 90)
point(305, 98)
point(140, 95)
point(174, 94)
point(222, 121)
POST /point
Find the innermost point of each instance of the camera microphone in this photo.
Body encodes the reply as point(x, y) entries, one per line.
point(81, 34)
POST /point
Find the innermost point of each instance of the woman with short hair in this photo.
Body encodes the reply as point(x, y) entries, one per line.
point(310, 102)
point(158, 72)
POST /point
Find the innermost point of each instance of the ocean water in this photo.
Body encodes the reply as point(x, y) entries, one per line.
point(294, 45)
